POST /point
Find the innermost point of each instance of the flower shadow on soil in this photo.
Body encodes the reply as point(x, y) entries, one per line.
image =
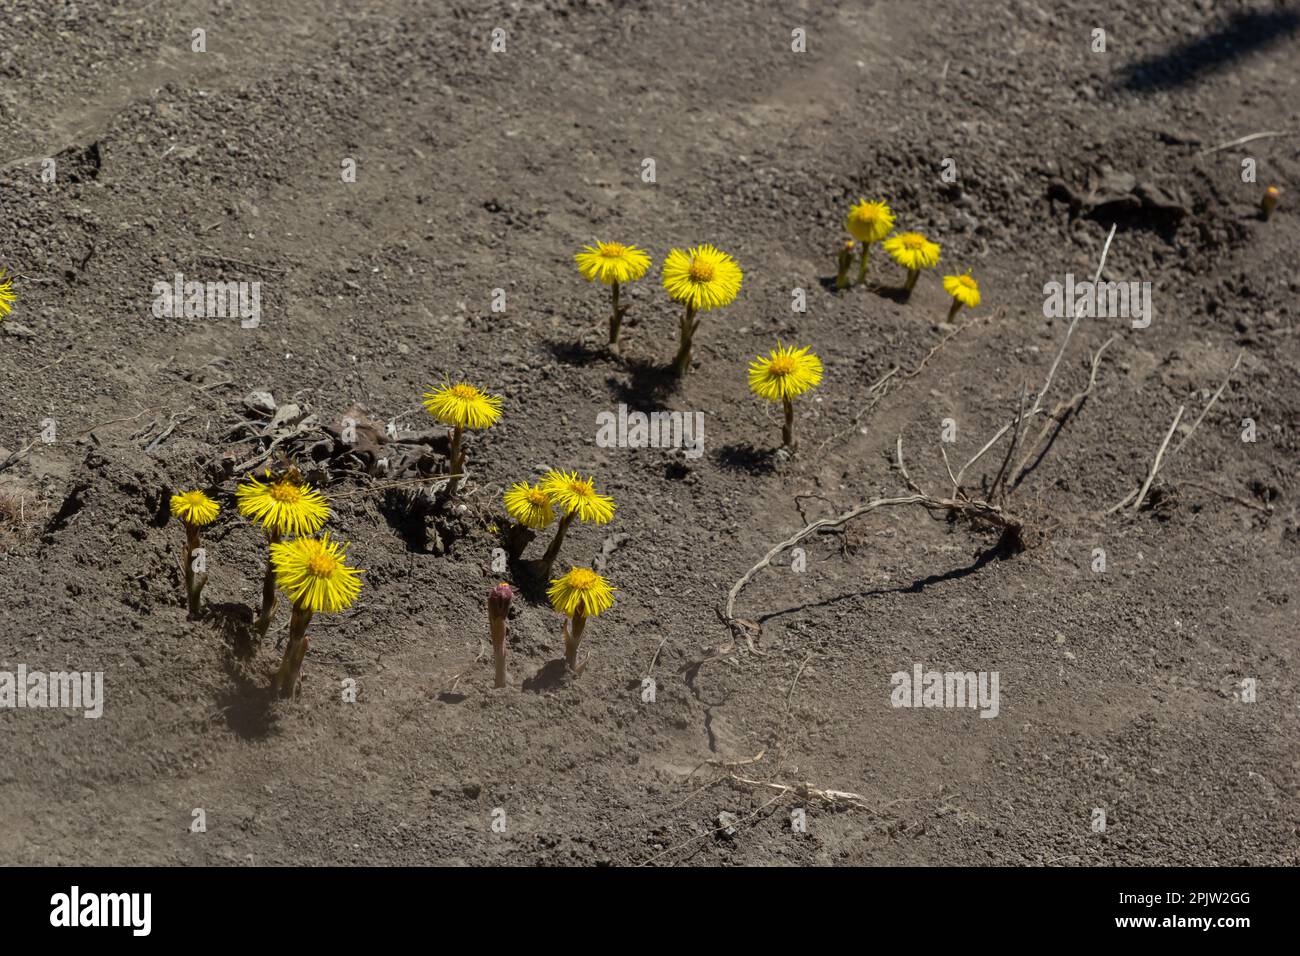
point(552, 675)
point(247, 703)
point(745, 456)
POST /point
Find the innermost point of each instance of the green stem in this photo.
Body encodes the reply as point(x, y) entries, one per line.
point(910, 284)
point(615, 320)
point(952, 312)
point(862, 263)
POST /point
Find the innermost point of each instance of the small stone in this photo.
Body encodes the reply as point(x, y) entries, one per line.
point(261, 402)
point(17, 331)
point(728, 822)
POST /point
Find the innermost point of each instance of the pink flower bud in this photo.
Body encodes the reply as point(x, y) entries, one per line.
point(499, 601)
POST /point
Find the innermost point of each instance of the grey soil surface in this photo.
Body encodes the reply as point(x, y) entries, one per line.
point(478, 171)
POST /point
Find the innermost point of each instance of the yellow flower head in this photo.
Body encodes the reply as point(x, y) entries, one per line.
point(703, 277)
point(194, 508)
point(612, 262)
point(463, 406)
point(311, 571)
point(869, 221)
point(787, 372)
point(581, 592)
point(913, 251)
point(283, 505)
point(7, 297)
point(963, 288)
point(529, 505)
point(577, 495)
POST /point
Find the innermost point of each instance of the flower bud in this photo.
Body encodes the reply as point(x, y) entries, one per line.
point(499, 602)
point(1269, 202)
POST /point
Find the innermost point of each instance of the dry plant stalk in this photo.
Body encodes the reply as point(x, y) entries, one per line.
point(981, 513)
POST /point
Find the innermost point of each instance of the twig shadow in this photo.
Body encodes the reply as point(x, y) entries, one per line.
point(1242, 34)
point(998, 552)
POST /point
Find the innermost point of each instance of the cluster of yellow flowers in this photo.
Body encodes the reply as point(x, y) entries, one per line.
point(312, 571)
point(871, 222)
point(702, 278)
point(580, 593)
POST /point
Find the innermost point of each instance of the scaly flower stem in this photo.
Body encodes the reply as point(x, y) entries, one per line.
point(689, 323)
point(457, 460)
point(862, 263)
point(290, 672)
point(498, 627)
point(787, 430)
point(910, 284)
point(842, 262)
point(263, 621)
point(572, 638)
point(193, 582)
point(952, 312)
point(548, 558)
point(615, 320)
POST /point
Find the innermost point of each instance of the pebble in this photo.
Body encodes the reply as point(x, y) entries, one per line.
point(260, 401)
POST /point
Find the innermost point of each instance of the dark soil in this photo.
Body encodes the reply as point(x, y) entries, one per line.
point(479, 171)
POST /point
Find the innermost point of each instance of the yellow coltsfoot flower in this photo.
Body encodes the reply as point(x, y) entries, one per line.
point(868, 222)
point(913, 252)
point(283, 504)
point(574, 494)
point(964, 291)
point(194, 509)
point(459, 407)
point(314, 574)
point(580, 594)
point(7, 297)
point(782, 376)
point(530, 505)
point(463, 406)
point(575, 497)
point(614, 264)
point(703, 278)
